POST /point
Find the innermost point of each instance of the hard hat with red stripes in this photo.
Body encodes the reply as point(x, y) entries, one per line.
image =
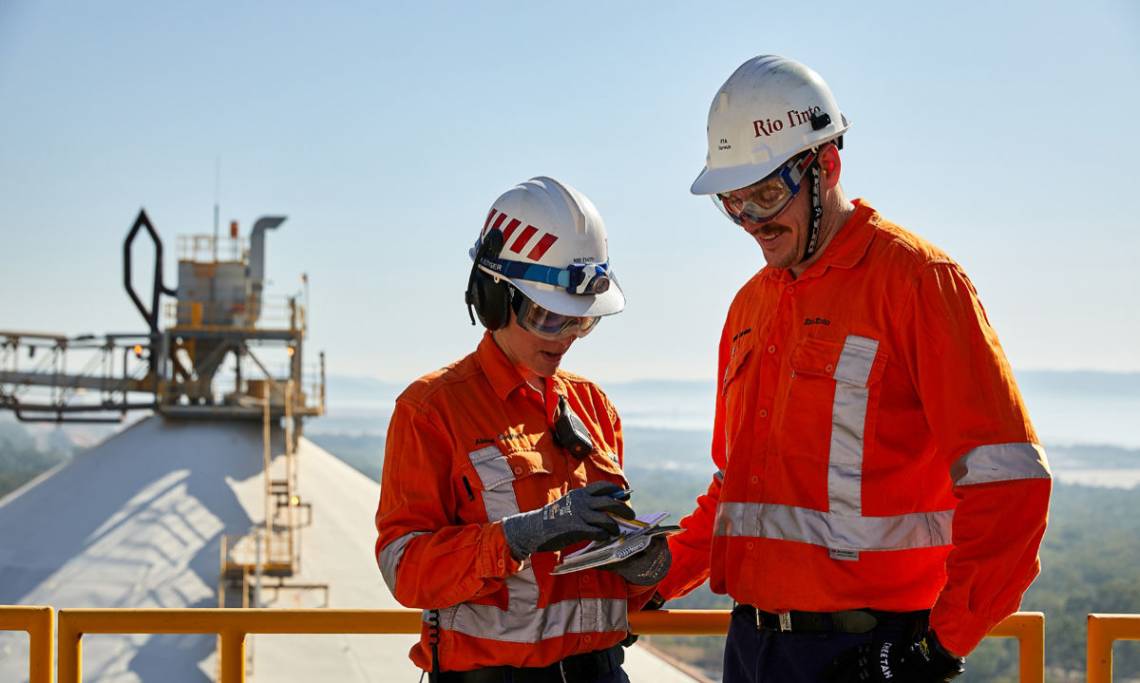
point(554, 249)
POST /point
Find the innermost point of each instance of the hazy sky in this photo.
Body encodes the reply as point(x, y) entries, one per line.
point(1005, 133)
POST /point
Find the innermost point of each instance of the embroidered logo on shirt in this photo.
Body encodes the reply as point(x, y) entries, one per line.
point(510, 437)
point(816, 321)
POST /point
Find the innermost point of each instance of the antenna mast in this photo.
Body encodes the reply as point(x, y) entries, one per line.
point(217, 192)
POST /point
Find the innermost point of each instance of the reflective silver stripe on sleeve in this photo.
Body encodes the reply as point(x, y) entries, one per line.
point(719, 475)
point(390, 556)
point(848, 416)
point(524, 621)
point(834, 531)
point(498, 482)
point(1001, 462)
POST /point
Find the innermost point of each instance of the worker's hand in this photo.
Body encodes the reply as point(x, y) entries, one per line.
point(923, 660)
point(580, 515)
point(648, 566)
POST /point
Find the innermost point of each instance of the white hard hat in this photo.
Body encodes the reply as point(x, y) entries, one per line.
point(769, 110)
point(554, 249)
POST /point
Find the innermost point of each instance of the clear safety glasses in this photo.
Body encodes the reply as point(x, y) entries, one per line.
point(765, 199)
point(548, 324)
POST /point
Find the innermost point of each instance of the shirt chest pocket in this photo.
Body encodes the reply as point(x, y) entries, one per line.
point(830, 396)
point(733, 385)
point(509, 483)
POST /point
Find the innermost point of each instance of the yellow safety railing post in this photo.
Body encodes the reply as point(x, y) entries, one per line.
point(70, 648)
point(1029, 630)
point(233, 656)
point(41, 649)
point(39, 622)
point(1103, 630)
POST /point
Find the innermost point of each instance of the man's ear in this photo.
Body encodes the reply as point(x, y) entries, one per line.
point(829, 165)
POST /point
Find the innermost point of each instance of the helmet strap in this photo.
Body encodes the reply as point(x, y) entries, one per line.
point(816, 212)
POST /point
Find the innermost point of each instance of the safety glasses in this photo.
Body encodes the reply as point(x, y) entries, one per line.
point(765, 199)
point(548, 324)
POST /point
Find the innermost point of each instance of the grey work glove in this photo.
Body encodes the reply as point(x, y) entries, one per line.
point(648, 566)
point(579, 515)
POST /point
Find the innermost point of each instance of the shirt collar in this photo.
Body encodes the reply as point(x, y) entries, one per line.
point(500, 371)
point(505, 378)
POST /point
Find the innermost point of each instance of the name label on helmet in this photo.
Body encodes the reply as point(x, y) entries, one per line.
point(766, 127)
point(491, 263)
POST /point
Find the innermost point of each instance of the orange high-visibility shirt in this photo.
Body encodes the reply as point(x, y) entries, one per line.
point(872, 449)
point(467, 446)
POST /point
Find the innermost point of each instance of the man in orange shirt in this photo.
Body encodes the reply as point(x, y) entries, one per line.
point(499, 461)
point(880, 493)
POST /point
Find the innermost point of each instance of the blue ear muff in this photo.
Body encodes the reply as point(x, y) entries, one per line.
point(490, 300)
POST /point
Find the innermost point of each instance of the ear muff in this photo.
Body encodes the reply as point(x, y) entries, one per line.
point(490, 300)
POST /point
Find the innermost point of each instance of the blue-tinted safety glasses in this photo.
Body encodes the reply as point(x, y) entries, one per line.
point(763, 200)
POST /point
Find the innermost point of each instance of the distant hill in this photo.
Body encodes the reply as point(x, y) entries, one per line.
point(354, 388)
point(1080, 382)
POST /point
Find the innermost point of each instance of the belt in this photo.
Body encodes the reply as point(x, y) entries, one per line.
point(846, 621)
point(588, 666)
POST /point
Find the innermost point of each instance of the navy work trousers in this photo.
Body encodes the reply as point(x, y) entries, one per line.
point(754, 655)
point(616, 674)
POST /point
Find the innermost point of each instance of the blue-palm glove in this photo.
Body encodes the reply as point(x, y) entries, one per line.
point(580, 515)
point(648, 566)
point(921, 661)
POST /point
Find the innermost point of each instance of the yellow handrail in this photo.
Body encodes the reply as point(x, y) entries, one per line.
point(232, 626)
point(39, 622)
point(1029, 629)
point(1103, 629)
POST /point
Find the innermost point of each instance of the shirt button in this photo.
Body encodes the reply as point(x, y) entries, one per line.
point(518, 470)
point(585, 578)
point(754, 479)
point(791, 289)
point(502, 563)
point(772, 349)
point(588, 638)
point(750, 545)
point(830, 367)
point(763, 413)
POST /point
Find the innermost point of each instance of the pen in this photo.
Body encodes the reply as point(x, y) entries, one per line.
point(631, 523)
point(621, 495)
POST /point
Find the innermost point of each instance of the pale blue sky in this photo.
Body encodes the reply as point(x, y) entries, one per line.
point(1006, 135)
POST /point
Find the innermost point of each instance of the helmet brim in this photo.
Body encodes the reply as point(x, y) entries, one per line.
point(729, 178)
point(562, 302)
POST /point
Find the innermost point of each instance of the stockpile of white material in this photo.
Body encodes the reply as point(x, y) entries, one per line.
point(137, 521)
